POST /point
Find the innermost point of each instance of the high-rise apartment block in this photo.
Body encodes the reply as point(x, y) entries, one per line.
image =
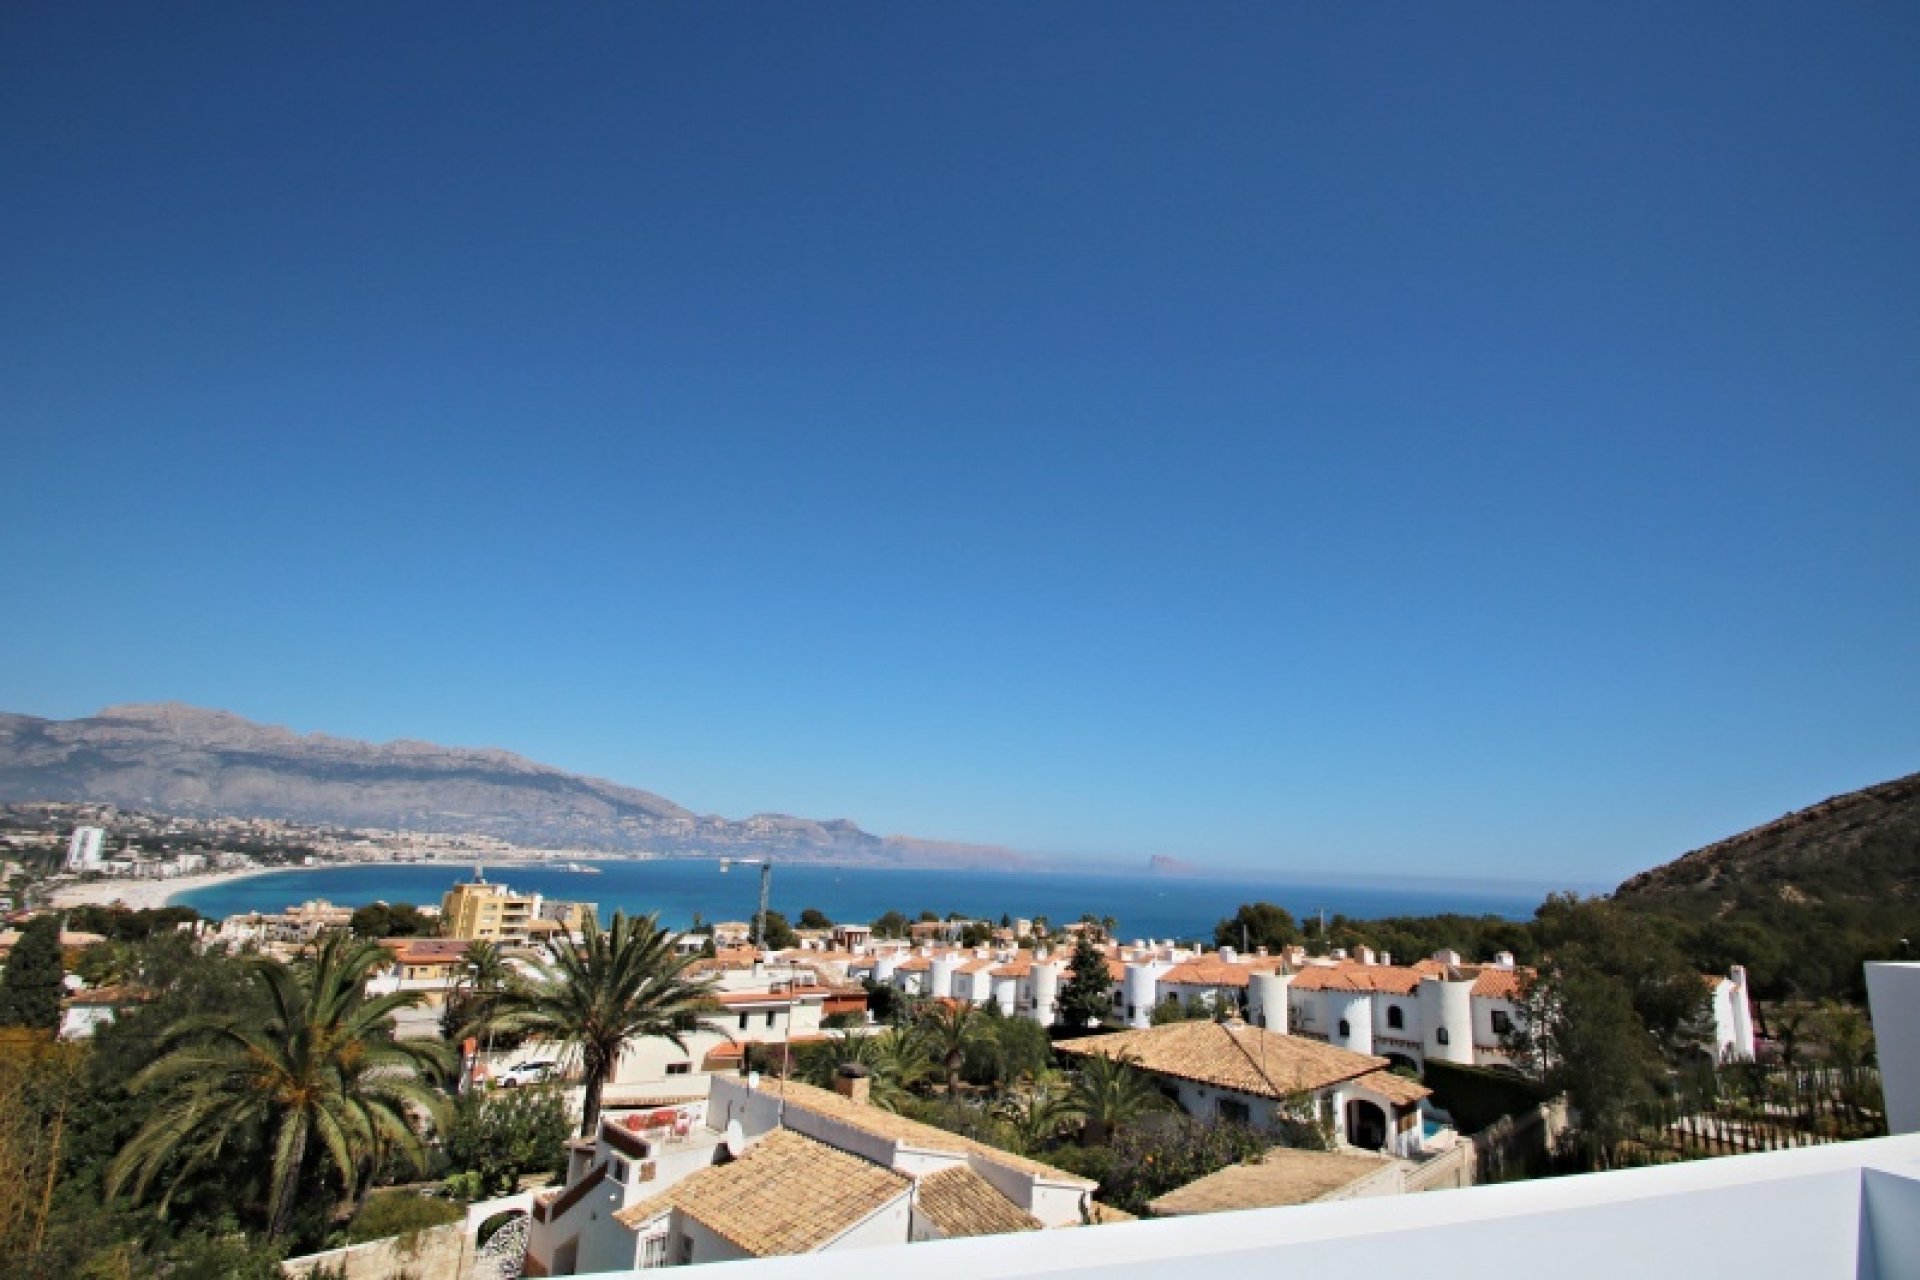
point(478, 911)
point(83, 851)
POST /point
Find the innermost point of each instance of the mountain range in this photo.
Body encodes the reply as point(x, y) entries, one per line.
point(172, 758)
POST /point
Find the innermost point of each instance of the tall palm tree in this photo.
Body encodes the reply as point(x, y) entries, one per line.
point(486, 968)
point(484, 974)
point(615, 986)
point(1109, 1092)
point(323, 1065)
point(948, 1025)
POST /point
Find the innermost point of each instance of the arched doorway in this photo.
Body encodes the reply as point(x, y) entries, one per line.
point(1366, 1125)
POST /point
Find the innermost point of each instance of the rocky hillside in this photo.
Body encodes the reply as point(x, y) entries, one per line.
point(1862, 847)
point(177, 759)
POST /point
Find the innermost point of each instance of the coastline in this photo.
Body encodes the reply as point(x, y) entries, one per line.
point(679, 891)
point(145, 895)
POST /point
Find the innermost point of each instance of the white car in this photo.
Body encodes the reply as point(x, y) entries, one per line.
point(535, 1072)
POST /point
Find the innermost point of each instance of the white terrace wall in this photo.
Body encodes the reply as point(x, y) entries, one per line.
point(439, 1253)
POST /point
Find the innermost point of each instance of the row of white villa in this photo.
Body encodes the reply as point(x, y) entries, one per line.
point(1439, 1008)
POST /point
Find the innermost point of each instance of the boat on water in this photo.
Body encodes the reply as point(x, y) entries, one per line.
point(580, 867)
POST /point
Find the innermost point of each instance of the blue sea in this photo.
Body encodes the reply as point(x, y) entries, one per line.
point(678, 888)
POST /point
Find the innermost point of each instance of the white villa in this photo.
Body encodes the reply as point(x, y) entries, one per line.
point(1234, 1071)
point(753, 1171)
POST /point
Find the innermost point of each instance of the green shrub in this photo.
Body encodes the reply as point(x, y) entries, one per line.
point(400, 1213)
point(498, 1136)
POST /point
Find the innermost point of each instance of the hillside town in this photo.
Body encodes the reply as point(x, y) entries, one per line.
point(857, 1084)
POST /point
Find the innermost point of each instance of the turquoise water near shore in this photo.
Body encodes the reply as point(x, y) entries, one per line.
point(677, 888)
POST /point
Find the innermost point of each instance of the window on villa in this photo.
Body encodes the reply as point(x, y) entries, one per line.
point(1395, 1018)
point(1345, 1030)
point(1235, 1112)
point(1440, 1036)
point(770, 1017)
point(653, 1253)
point(679, 1068)
point(617, 1169)
point(743, 1022)
point(1501, 1022)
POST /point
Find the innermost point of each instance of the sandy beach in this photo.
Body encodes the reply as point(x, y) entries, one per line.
point(143, 895)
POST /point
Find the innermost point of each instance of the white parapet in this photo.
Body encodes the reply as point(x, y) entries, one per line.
point(1894, 992)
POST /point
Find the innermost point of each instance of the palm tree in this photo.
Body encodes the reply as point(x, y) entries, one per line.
point(486, 971)
point(898, 1060)
point(1107, 1093)
point(615, 986)
point(323, 1064)
point(948, 1025)
point(1034, 1109)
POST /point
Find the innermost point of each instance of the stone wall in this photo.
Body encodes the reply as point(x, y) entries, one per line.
point(439, 1253)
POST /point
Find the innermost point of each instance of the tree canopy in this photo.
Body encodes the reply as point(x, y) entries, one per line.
point(614, 986)
point(1086, 995)
point(31, 984)
point(1257, 924)
point(398, 920)
point(321, 1068)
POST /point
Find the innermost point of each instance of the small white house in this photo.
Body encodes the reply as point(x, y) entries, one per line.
point(1234, 1071)
point(782, 1168)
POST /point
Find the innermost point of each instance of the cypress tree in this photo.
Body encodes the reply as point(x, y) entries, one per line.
point(30, 987)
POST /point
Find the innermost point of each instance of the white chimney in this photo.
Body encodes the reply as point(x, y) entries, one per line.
point(1503, 959)
point(1364, 955)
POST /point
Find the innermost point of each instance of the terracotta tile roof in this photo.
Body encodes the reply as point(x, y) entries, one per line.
point(1281, 1177)
point(786, 1194)
point(919, 964)
point(1504, 984)
point(1211, 971)
point(1397, 1089)
point(1250, 1060)
point(976, 965)
point(1391, 979)
point(885, 1124)
point(426, 950)
point(962, 1203)
point(1116, 969)
point(804, 955)
point(1018, 967)
point(722, 961)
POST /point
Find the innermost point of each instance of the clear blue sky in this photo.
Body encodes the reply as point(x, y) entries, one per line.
point(1474, 440)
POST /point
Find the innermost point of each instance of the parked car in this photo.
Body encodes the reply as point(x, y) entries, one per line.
point(533, 1072)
